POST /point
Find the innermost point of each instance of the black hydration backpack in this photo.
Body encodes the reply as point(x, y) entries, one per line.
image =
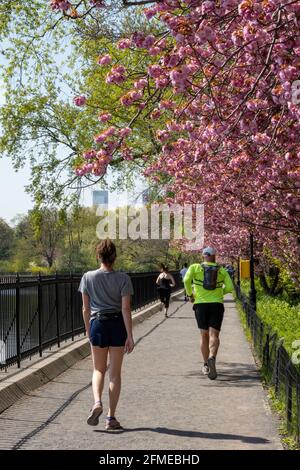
point(210, 276)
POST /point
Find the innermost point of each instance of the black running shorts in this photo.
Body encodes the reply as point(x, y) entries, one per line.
point(164, 295)
point(209, 315)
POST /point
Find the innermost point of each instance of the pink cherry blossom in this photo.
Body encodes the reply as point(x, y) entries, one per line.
point(124, 44)
point(97, 3)
point(104, 60)
point(125, 132)
point(218, 77)
point(79, 100)
point(60, 5)
point(103, 117)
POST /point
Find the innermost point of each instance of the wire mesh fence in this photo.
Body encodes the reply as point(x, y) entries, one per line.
point(277, 366)
point(37, 312)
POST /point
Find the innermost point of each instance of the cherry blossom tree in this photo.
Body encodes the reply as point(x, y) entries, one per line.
point(215, 82)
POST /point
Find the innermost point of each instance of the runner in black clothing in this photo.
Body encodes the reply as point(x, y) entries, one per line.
point(165, 281)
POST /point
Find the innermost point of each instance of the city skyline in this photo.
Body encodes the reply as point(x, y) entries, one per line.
point(19, 202)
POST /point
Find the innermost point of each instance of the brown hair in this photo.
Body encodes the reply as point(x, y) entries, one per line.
point(164, 267)
point(106, 251)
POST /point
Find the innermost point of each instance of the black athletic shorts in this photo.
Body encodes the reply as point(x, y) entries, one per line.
point(108, 332)
point(209, 315)
point(164, 296)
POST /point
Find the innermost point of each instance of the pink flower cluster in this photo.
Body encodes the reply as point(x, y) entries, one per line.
point(62, 5)
point(117, 75)
point(126, 153)
point(140, 84)
point(96, 162)
point(104, 117)
point(125, 132)
point(97, 3)
point(131, 97)
point(102, 137)
point(79, 100)
point(104, 60)
point(142, 41)
point(124, 44)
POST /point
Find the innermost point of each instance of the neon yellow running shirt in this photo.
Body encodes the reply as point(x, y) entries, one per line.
point(195, 275)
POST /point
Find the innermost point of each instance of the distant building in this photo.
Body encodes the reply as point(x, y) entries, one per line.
point(100, 198)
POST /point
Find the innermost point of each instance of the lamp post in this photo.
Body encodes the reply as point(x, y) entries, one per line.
point(238, 283)
point(252, 282)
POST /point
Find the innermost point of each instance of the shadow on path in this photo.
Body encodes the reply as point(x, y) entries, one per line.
point(231, 374)
point(193, 434)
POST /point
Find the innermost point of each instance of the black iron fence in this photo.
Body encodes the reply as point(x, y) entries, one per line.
point(277, 365)
point(37, 312)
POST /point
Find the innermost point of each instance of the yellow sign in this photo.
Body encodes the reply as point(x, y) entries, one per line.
point(244, 268)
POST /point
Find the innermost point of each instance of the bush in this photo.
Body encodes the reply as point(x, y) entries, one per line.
point(281, 315)
point(39, 269)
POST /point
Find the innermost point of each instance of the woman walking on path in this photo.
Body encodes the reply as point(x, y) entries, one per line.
point(106, 296)
point(165, 281)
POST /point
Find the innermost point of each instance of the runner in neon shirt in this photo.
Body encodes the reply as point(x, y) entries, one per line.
point(211, 282)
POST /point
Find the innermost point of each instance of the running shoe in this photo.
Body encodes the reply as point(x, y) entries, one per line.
point(212, 371)
point(205, 369)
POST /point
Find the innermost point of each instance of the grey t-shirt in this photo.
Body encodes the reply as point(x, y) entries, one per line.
point(105, 290)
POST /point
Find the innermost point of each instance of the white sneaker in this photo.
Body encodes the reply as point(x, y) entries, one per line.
point(205, 369)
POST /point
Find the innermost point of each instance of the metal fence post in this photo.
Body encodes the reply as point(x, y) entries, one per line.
point(18, 339)
point(298, 413)
point(254, 328)
point(289, 398)
point(277, 369)
point(261, 338)
point(267, 352)
point(238, 278)
point(71, 306)
point(57, 310)
point(81, 308)
point(40, 314)
point(252, 281)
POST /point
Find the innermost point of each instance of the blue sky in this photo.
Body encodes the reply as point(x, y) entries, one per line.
point(13, 198)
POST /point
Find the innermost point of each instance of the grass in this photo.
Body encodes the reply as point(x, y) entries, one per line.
point(278, 406)
point(283, 317)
